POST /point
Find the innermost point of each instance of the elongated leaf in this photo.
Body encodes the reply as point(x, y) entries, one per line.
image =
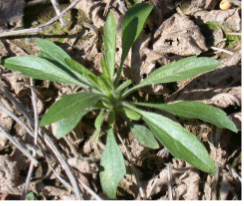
point(66, 125)
point(98, 125)
point(50, 50)
point(180, 70)
point(39, 68)
point(132, 26)
point(144, 136)
point(80, 69)
point(57, 56)
point(112, 166)
point(110, 44)
point(69, 105)
point(197, 110)
point(180, 142)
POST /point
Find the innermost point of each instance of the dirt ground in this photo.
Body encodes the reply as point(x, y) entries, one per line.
point(175, 29)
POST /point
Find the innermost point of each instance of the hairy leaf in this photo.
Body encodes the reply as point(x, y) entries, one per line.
point(132, 26)
point(112, 166)
point(110, 44)
point(57, 56)
point(69, 105)
point(180, 70)
point(66, 125)
point(144, 136)
point(197, 110)
point(40, 68)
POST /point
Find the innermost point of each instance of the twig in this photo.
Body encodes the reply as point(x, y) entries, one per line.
point(56, 7)
point(233, 33)
point(16, 143)
point(36, 127)
point(34, 2)
point(90, 191)
point(40, 28)
point(170, 182)
point(122, 6)
point(233, 172)
point(133, 168)
point(222, 50)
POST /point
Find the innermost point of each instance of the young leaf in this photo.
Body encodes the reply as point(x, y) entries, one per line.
point(129, 113)
point(180, 142)
point(66, 125)
point(197, 110)
point(112, 166)
point(144, 136)
point(132, 26)
point(40, 68)
point(123, 86)
point(178, 70)
point(98, 125)
point(110, 44)
point(69, 105)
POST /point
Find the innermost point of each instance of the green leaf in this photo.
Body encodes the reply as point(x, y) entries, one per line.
point(66, 125)
point(69, 105)
point(144, 136)
point(112, 166)
point(51, 51)
point(40, 68)
point(132, 26)
point(111, 118)
point(80, 69)
point(197, 110)
point(123, 86)
point(57, 56)
point(180, 70)
point(180, 142)
point(98, 125)
point(129, 113)
point(110, 44)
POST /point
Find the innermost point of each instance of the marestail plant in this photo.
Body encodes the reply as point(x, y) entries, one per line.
point(104, 93)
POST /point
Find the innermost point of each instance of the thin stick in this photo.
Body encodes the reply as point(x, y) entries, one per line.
point(133, 168)
point(233, 33)
point(40, 28)
point(36, 127)
point(56, 7)
point(222, 50)
point(16, 143)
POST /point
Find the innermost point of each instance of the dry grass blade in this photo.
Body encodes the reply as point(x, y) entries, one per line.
point(170, 182)
point(56, 7)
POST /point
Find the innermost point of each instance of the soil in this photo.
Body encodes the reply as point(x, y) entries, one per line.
point(176, 29)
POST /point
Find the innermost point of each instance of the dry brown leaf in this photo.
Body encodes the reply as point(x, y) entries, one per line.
point(206, 4)
point(229, 19)
point(9, 175)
